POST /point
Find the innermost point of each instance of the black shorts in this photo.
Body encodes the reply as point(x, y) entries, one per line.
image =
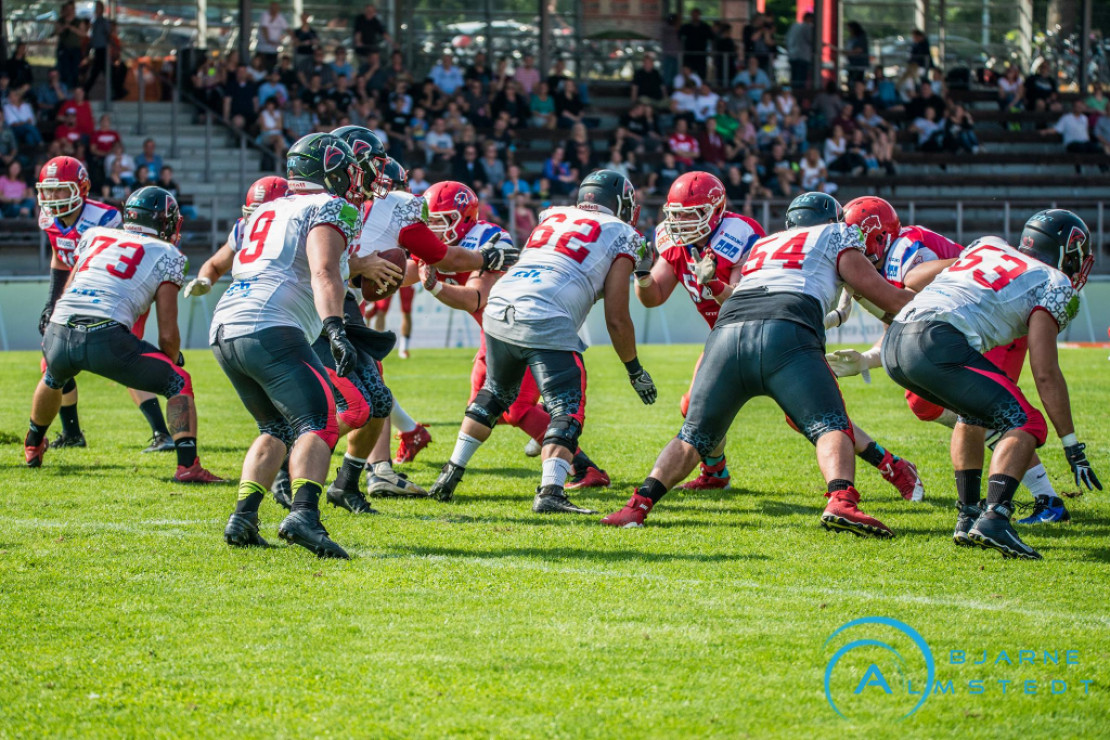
point(281, 382)
point(109, 349)
point(559, 374)
point(362, 394)
point(770, 357)
point(934, 360)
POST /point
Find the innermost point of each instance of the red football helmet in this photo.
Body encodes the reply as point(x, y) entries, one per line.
point(264, 190)
point(66, 174)
point(878, 221)
point(452, 210)
point(694, 207)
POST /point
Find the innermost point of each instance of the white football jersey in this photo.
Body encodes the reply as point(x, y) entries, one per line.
point(802, 261)
point(117, 273)
point(542, 301)
point(478, 236)
point(384, 218)
point(991, 292)
point(271, 284)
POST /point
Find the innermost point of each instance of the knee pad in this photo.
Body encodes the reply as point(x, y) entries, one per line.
point(380, 400)
point(700, 441)
point(834, 421)
point(279, 430)
point(486, 408)
point(326, 428)
point(922, 409)
point(69, 386)
point(564, 431)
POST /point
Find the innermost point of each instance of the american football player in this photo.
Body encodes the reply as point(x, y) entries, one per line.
point(453, 216)
point(992, 295)
point(575, 256)
point(116, 275)
point(769, 340)
point(912, 257)
point(65, 214)
point(377, 311)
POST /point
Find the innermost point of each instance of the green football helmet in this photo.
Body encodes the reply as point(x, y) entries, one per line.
point(610, 190)
point(813, 209)
point(324, 163)
point(153, 211)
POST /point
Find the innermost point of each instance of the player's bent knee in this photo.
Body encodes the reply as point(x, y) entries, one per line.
point(381, 403)
point(55, 385)
point(68, 387)
point(486, 408)
point(563, 431)
point(703, 442)
point(818, 426)
point(279, 430)
point(355, 415)
point(922, 409)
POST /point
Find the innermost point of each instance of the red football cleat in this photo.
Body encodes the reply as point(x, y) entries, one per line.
point(903, 476)
point(843, 513)
point(33, 455)
point(632, 515)
point(591, 478)
point(411, 443)
point(710, 478)
point(196, 474)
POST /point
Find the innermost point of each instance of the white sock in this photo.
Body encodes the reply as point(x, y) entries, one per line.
point(555, 472)
point(401, 419)
point(404, 343)
point(356, 461)
point(465, 447)
point(948, 419)
point(1036, 480)
point(382, 468)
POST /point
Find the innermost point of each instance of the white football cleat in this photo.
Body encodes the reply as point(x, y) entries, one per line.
point(533, 448)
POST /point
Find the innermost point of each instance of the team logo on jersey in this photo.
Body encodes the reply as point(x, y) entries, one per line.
point(333, 158)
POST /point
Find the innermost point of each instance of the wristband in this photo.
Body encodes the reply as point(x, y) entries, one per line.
point(716, 286)
point(1069, 440)
point(633, 366)
point(436, 288)
point(645, 281)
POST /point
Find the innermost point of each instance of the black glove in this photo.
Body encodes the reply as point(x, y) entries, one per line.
point(44, 318)
point(641, 381)
point(496, 256)
point(1077, 459)
point(341, 348)
point(180, 358)
point(58, 280)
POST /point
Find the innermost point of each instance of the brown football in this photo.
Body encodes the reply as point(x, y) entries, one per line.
point(370, 290)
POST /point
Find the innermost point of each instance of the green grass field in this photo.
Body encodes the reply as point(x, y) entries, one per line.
point(128, 616)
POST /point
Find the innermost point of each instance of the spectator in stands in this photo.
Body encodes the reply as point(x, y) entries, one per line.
point(686, 78)
point(738, 99)
point(826, 106)
point(859, 97)
point(754, 79)
point(313, 94)
point(125, 161)
point(369, 32)
point(705, 103)
point(670, 45)
point(241, 100)
point(514, 184)
point(618, 163)
point(1101, 132)
point(1097, 101)
point(16, 198)
point(271, 124)
point(468, 169)
point(142, 177)
point(794, 133)
point(683, 145)
point(782, 175)
point(886, 92)
point(71, 37)
point(930, 132)
point(568, 106)
point(697, 40)
point(1011, 90)
point(305, 41)
point(9, 146)
point(446, 75)
point(493, 167)
point(921, 56)
point(503, 138)
point(711, 146)
point(524, 218)
point(813, 174)
point(439, 146)
point(857, 55)
point(317, 66)
point(559, 78)
point(299, 121)
point(725, 53)
point(166, 181)
point(67, 129)
point(639, 130)
point(341, 66)
point(960, 131)
point(838, 155)
point(418, 181)
point(272, 30)
point(1073, 128)
point(684, 102)
point(115, 189)
point(765, 110)
point(845, 120)
point(257, 69)
point(20, 116)
point(526, 75)
point(799, 50)
point(558, 172)
point(668, 171)
point(926, 98)
point(18, 69)
point(454, 119)
point(149, 158)
point(1040, 89)
point(647, 84)
point(746, 138)
point(510, 101)
point(479, 71)
point(50, 95)
point(908, 83)
point(582, 159)
point(273, 88)
point(341, 98)
point(542, 107)
point(99, 33)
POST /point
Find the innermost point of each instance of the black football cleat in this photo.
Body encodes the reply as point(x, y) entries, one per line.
point(160, 443)
point(965, 520)
point(553, 500)
point(993, 531)
point(242, 530)
point(449, 477)
point(283, 490)
point(350, 499)
point(304, 528)
point(64, 440)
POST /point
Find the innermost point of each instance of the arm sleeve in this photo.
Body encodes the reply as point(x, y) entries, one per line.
point(1058, 298)
point(172, 267)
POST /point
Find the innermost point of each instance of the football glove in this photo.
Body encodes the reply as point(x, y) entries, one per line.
point(848, 362)
point(44, 318)
point(180, 358)
point(199, 286)
point(342, 351)
point(497, 257)
point(705, 269)
point(645, 260)
point(1080, 468)
point(643, 385)
point(840, 314)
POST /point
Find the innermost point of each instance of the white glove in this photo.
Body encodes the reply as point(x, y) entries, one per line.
point(198, 287)
point(848, 362)
point(871, 308)
point(840, 314)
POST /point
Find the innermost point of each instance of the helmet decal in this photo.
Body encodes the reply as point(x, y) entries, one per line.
point(870, 224)
point(462, 199)
point(1076, 239)
point(359, 147)
point(1027, 241)
point(334, 158)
